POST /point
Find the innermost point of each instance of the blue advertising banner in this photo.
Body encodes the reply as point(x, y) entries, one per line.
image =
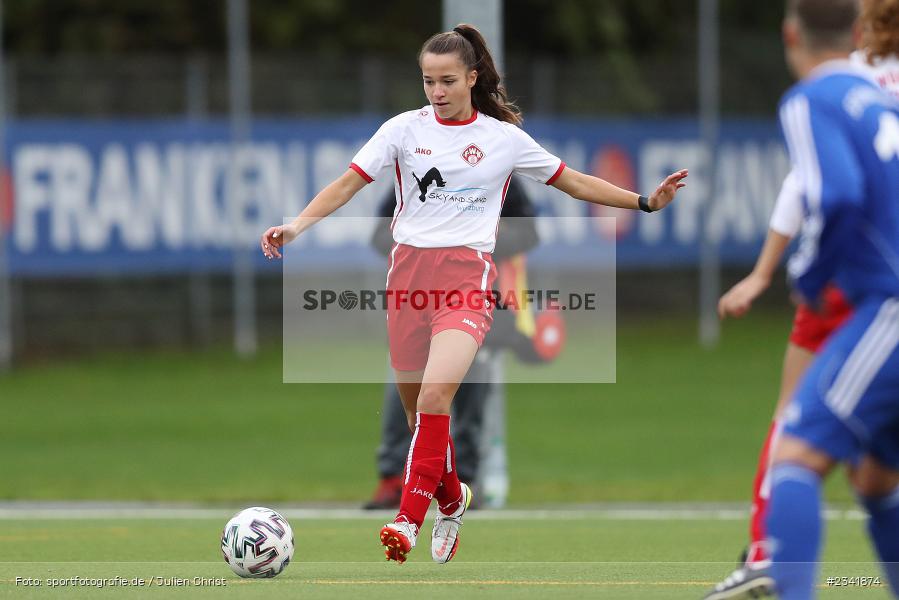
point(151, 196)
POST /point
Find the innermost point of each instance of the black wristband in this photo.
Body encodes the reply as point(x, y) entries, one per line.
point(643, 203)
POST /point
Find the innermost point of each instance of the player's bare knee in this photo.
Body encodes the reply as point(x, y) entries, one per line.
point(795, 450)
point(865, 485)
point(870, 479)
point(434, 400)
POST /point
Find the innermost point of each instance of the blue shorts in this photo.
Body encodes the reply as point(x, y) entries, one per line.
point(847, 404)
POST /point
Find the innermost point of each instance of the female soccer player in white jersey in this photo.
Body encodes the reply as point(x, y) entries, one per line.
point(452, 161)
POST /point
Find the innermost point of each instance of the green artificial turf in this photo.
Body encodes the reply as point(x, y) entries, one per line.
point(682, 423)
point(341, 558)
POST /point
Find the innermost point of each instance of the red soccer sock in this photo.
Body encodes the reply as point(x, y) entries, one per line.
point(449, 492)
point(425, 466)
point(760, 496)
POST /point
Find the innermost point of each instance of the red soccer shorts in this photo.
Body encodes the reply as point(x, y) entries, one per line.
point(811, 329)
point(430, 290)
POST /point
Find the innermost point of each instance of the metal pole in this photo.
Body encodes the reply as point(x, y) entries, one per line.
point(373, 91)
point(199, 286)
point(196, 92)
point(709, 116)
point(11, 91)
point(543, 86)
point(493, 472)
point(486, 15)
point(245, 342)
point(6, 345)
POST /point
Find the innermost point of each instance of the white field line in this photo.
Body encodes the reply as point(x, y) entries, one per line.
point(16, 510)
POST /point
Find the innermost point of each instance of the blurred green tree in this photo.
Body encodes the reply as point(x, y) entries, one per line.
point(561, 27)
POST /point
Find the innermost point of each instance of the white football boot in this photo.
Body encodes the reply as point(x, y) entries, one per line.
point(398, 539)
point(745, 582)
point(445, 536)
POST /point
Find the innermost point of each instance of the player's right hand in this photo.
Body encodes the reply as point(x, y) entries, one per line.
point(664, 194)
point(274, 239)
point(738, 299)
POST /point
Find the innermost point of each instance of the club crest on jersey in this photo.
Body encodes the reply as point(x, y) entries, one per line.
point(472, 155)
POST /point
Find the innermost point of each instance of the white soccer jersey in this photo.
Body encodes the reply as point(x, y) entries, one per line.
point(786, 219)
point(451, 177)
point(885, 71)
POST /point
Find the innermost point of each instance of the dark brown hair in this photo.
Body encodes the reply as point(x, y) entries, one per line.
point(827, 24)
point(488, 94)
point(881, 27)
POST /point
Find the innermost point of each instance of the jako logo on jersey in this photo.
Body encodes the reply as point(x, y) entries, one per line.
point(470, 322)
point(432, 176)
point(472, 155)
point(424, 151)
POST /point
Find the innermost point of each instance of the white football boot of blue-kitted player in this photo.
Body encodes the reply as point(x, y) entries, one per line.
point(445, 535)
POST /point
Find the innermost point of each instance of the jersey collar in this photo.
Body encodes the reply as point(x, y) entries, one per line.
point(842, 66)
point(474, 115)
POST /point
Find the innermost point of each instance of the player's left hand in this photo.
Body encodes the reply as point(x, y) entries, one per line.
point(738, 299)
point(664, 194)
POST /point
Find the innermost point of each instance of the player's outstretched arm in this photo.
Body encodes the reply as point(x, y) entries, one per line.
point(599, 191)
point(336, 194)
point(738, 299)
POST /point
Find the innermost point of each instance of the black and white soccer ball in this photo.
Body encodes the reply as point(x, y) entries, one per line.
point(257, 542)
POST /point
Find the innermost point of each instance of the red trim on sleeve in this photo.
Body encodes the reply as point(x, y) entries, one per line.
point(502, 204)
point(505, 190)
point(361, 172)
point(556, 174)
point(399, 179)
point(474, 115)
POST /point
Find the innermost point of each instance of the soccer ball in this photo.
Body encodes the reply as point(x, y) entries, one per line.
point(257, 542)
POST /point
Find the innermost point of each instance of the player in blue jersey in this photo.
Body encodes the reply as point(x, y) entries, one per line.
point(842, 132)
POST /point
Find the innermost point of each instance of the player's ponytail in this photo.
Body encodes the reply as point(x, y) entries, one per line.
point(488, 94)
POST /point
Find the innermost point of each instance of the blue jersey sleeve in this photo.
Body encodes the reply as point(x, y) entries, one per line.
point(832, 181)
